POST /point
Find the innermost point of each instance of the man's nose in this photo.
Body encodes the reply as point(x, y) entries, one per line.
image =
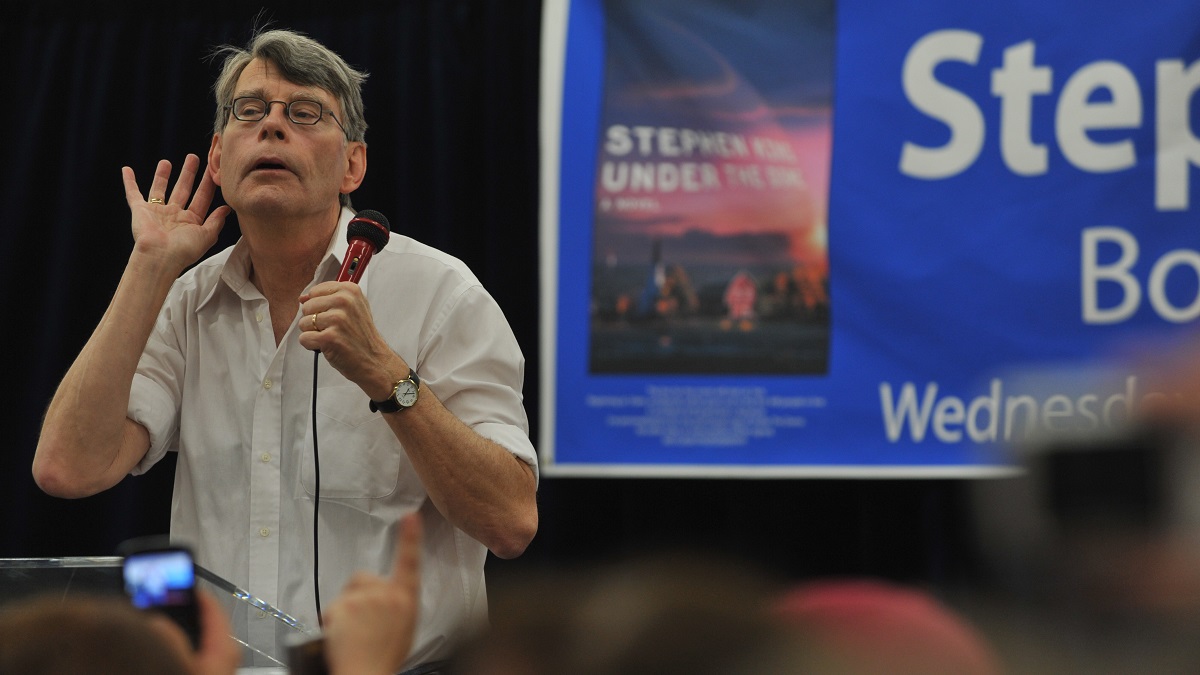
point(275, 121)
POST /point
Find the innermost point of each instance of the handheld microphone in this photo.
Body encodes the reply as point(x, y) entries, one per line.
point(367, 233)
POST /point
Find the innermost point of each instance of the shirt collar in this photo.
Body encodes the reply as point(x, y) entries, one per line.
point(331, 264)
point(235, 271)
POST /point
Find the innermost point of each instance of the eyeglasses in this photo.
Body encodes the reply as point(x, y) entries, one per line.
point(300, 111)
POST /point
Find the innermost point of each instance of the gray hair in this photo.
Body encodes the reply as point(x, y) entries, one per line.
point(302, 60)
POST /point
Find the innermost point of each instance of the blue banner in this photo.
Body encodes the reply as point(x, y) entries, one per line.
point(796, 239)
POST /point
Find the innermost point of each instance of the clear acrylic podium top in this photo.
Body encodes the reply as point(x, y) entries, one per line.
point(26, 577)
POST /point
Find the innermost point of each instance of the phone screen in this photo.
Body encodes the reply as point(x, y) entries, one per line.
point(164, 580)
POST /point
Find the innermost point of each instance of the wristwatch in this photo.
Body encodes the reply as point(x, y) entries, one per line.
point(404, 395)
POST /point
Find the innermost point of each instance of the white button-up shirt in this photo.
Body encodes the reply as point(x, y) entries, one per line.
point(213, 386)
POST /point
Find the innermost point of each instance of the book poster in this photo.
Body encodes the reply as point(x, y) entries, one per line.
point(843, 239)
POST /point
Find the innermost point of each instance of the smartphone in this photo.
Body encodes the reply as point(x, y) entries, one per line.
point(162, 577)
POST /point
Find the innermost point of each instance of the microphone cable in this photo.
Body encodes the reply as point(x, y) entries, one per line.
point(316, 491)
point(367, 232)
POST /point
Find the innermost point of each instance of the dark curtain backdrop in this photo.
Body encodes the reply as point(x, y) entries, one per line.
point(452, 105)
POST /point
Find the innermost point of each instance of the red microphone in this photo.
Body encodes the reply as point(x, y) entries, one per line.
point(367, 233)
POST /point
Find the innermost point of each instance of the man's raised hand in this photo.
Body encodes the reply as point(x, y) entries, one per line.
point(171, 227)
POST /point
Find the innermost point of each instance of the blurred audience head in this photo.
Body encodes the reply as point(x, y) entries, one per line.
point(666, 615)
point(46, 636)
point(864, 626)
point(671, 615)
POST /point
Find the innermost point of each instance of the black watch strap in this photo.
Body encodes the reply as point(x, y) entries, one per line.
point(390, 404)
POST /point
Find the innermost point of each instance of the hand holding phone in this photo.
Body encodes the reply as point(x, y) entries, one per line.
point(162, 577)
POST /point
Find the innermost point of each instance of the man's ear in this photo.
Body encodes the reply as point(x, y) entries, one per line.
point(356, 167)
point(214, 159)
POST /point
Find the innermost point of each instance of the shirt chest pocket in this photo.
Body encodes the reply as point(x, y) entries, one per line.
point(360, 456)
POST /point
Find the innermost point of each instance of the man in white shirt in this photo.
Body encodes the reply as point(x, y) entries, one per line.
point(418, 379)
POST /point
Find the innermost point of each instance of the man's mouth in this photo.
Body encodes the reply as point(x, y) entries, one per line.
point(269, 165)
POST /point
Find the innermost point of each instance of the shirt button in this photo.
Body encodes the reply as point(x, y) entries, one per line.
point(266, 532)
point(258, 317)
point(262, 614)
point(266, 457)
point(266, 384)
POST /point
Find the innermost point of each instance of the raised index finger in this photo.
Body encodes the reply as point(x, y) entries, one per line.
point(183, 184)
point(204, 195)
point(407, 567)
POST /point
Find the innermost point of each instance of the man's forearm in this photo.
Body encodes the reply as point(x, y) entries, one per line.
point(86, 443)
point(477, 484)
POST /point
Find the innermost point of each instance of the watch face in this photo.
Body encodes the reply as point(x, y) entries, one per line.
point(406, 393)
